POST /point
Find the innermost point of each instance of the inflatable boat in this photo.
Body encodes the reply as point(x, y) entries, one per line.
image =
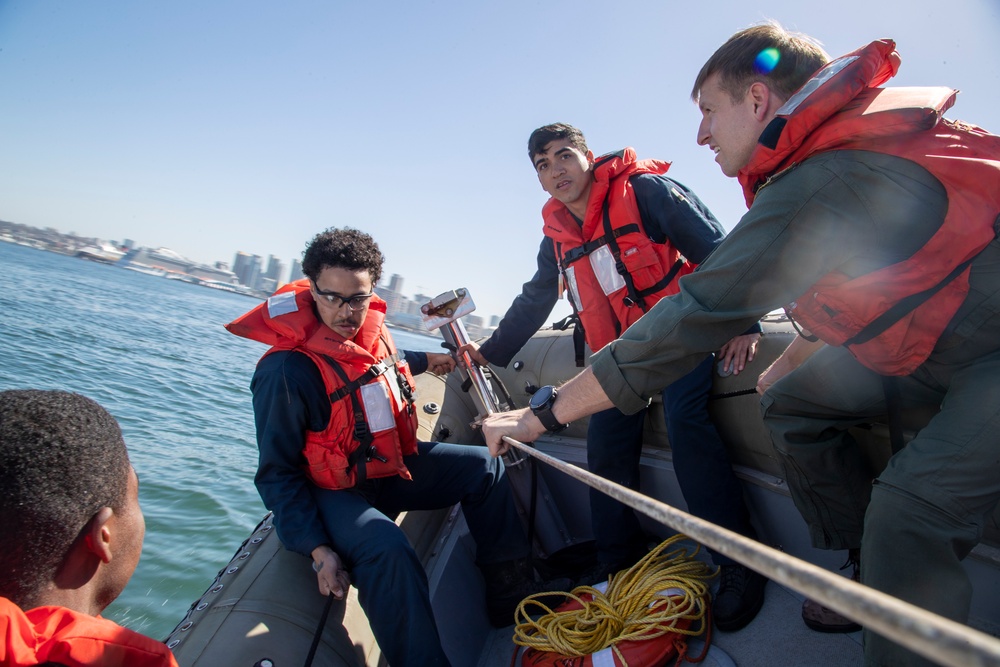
point(263, 609)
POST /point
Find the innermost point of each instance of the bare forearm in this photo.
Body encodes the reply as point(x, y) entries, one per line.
point(794, 356)
point(582, 396)
point(578, 398)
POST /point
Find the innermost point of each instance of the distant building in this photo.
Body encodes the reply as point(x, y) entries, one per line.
point(275, 269)
point(296, 272)
point(247, 268)
point(395, 302)
point(396, 283)
point(494, 321)
point(241, 262)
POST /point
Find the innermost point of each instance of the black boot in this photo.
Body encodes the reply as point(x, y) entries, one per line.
point(511, 581)
point(739, 598)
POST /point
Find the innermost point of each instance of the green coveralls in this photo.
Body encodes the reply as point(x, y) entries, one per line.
point(853, 211)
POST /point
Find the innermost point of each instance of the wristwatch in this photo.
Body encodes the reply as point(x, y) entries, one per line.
point(541, 406)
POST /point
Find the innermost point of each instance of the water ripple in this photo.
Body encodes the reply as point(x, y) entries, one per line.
point(154, 352)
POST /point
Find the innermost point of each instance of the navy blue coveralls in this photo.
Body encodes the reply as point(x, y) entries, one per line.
point(289, 397)
point(614, 439)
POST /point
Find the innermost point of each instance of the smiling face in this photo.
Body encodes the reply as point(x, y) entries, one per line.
point(729, 128)
point(345, 283)
point(565, 174)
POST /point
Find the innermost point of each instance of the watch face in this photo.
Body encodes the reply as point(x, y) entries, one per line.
point(541, 397)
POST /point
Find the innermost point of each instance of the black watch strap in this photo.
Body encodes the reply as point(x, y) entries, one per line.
point(544, 412)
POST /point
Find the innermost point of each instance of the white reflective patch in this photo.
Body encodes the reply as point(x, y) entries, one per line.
point(378, 408)
point(392, 375)
point(604, 268)
point(812, 84)
point(670, 592)
point(602, 586)
point(281, 304)
point(603, 658)
point(574, 293)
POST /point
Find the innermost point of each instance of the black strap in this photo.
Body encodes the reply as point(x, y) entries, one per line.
point(404, 385)
point(903, 307)
point(373, 372)
point(798, 329)
point(579, 337)
point(893, 406)
point(579, 252)
point(579, 340)
point(365, 451)
point(319, 630)
point(663, 282)
point(633, 298)
point(732, 394)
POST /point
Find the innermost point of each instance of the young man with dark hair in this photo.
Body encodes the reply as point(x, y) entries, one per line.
point(339, 456)
point(872, 218)
point(618, 236)
point(71, 529)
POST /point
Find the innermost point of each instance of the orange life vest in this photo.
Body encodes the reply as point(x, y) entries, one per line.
point(614, 272)
point(372, 421)
point(890, 319)
point(74, 639)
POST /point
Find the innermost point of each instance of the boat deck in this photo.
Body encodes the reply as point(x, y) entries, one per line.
point(776, 637)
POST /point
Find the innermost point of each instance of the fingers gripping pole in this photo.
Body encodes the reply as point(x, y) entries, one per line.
point(443, 312)
point(546, 528)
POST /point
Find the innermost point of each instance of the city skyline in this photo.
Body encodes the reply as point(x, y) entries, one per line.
point(250, 271)
point(212, 127)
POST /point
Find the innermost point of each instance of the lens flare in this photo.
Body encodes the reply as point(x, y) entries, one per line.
point(767, 60)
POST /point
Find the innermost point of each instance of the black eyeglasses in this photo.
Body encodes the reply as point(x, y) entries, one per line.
point(355, 303)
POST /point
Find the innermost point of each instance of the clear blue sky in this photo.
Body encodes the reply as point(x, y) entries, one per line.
point(211, 127)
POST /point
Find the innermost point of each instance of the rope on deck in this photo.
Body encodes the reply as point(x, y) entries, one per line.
point(934, 637)
point(665, 593)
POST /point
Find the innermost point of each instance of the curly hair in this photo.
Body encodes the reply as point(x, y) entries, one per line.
point(738, 64)
point(545, 135)
point(62, 458)
point(345, 248)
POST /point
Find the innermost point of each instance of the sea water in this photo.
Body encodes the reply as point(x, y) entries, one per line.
point(155, 354)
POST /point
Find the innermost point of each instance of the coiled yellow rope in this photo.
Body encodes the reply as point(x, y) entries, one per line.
point(643, 602)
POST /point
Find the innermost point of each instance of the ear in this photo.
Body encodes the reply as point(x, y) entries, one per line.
point(98, 535)
point(761, 98)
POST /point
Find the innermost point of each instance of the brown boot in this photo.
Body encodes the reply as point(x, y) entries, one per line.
point(824, 619)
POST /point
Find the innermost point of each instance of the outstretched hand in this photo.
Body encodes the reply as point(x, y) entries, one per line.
point(440, 363)
point(472, 349)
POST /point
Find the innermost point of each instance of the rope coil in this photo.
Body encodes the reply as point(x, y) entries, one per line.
point(665, 592)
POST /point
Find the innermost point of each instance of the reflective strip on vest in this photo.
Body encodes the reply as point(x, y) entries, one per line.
point(603, 264)
point(281, 304)
point(574, 291)
point(378, 407)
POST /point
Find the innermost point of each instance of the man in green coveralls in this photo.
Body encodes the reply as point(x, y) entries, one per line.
point(833, 215)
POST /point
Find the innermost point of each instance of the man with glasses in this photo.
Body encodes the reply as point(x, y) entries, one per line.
point(339, 457)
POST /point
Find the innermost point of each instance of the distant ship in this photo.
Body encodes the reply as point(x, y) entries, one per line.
point(102, 252)
point(170, 262)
